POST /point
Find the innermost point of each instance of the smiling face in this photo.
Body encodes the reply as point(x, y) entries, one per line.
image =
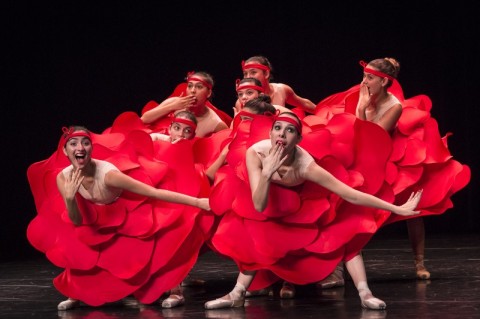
point(79, 151)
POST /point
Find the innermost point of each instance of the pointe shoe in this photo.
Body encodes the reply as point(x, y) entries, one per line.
point(257, 293)
point(68, 304)
point(335, 279)
point(421, 271)
point(173, 301)
point(222, 303)
point(370, 302)
point(287, 291)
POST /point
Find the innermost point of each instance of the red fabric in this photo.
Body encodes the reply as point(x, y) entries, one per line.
point(134, 245)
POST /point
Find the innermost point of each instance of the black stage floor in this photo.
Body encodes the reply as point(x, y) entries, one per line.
point(452, 292)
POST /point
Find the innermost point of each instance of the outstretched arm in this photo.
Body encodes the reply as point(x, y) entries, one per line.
point(293, 99)
point(320, 176)
point(120, 180)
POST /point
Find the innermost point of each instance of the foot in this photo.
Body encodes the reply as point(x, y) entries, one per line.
point(173, 301)
point(335, 279)
point(287, 291)
point(225, 302)
point(68, 304)
point(421, 271)
point(370, 302)
point(257, 293)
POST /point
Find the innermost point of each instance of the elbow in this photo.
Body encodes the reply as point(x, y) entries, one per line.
point(259, 207)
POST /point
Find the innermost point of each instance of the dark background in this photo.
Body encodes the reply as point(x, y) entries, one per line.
point(80, 62)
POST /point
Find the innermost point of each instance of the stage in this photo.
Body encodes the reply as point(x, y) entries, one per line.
point(452, 292)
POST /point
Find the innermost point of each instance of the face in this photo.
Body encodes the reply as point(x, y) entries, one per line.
point(284, 134)
point(258, 74)
point(79, 151)
point(199, 90)
point(374, 83)
point(180, 131)
point(245, 95)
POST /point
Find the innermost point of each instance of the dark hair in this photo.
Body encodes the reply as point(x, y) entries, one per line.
point(389, 66)
point(261, 60)
point(186, 114)
point(261, 105)
point(206, 76)
point(255, 81)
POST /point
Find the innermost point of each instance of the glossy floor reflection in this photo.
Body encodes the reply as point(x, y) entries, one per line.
point(452, 292)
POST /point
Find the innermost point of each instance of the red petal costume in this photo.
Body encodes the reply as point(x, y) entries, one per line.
point(133, 245)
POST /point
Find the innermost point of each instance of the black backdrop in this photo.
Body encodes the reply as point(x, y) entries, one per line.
point(85, 63)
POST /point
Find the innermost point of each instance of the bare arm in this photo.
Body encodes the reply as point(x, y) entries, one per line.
point(221, 126)
point(119, 180)
point(260, 171)
point(390, 118)
point(293, 99)
point(68, 187)
point(212, 169)
point(166, 107)
point(320, 176)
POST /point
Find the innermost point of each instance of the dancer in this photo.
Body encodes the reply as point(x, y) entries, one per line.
point(195, 98)
point(106, 212)
point(282, 95)
point(303, 257)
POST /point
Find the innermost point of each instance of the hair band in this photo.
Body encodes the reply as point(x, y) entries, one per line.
point(69, 133)
point(254, 66)
point(375, 72)
point(185, 121)
point(244, 86)
point(191, 77)
point(290, 120)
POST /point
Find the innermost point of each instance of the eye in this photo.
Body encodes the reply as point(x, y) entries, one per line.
point(290, 129)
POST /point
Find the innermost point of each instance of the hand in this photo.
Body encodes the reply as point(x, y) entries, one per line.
point(272, 162)
point(364, 98)
point(184, 102)
point(72, 183)
point(204, 203)
point(407, 209)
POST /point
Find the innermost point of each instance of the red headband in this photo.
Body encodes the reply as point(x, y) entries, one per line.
point(185, 121)
point(254, 66)
point(69, 133)
point(191, 77)
point(290, 120)
point(375, 72)
point(246, 85)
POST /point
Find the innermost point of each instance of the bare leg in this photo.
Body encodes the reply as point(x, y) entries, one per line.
point(356, 269)
point(416, 234)
point(235, 298)
point(175, 299)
